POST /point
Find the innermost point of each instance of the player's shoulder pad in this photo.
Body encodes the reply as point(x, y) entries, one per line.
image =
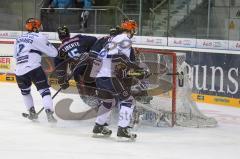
point(123, 35)
point(27, 38)
point(103, 39)
point(120, 38)
point(76, 36)
point(42, 36)
point(79, 36)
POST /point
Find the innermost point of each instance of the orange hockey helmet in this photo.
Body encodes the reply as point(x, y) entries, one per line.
point(129, 25)
point(33, 25)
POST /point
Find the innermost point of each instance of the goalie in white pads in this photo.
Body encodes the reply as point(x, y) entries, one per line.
point(28, 53)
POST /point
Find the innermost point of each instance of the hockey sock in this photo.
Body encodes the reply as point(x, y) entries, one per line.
point(28, 101)
point(125, 114)
point(27, 97)
point(46, 98)
point(104, 111)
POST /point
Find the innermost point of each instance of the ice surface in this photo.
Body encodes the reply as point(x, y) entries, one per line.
point(23, 139)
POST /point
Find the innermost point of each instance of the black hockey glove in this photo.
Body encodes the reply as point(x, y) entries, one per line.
point(62, 79)
point(64, 84)
point(62, 55)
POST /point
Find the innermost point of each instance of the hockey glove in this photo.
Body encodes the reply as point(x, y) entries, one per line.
point(63, 84)
point(62, 79)
point(62, 55)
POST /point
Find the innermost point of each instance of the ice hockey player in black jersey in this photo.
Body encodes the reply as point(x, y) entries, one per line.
point(75, 50)
point(28, 52)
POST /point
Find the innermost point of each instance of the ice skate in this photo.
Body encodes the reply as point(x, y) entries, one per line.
point(125, 135)
point(32, 114)
point(101, 131)
point(50, 116)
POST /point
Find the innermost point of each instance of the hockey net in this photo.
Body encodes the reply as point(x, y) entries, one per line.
point(169, 101)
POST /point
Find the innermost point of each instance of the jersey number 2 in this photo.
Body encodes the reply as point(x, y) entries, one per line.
point(20, 48)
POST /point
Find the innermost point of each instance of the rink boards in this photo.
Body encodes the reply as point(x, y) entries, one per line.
point(215, 72)
point(201, 98)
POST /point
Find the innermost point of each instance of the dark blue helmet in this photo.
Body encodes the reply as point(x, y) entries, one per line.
point(63, 32)
point(115, 31)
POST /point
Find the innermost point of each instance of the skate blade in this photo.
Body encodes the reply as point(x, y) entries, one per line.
point(124, 139)
point(52, 121)
point(99, 135)
point(35, 120)
point(52, 124)
point(25, 115)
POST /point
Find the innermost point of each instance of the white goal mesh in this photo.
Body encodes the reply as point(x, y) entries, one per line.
point(169, 86)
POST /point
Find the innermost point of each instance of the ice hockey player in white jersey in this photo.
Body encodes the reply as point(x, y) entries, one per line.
point(28, 52)
point(112, 79)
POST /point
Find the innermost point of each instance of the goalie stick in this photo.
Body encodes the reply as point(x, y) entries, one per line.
point(82, 58)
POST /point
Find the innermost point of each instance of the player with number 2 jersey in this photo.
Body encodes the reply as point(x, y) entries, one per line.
point(28, 52)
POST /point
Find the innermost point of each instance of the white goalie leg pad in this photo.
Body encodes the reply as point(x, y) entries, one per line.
point(126, 111)
point(27, 97)
point(46, 98)
point(104, 111)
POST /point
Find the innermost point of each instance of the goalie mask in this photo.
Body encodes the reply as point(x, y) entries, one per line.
point(129, 26)
point(33, 25)
point(63, 33)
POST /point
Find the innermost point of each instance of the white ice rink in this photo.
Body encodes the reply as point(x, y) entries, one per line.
point(23, 139)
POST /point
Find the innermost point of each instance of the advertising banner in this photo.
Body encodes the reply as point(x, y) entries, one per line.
point(182, 42)
point(7, 77)
point(5, 63)
point(148, 40)
point(234, 45)
point(215, 74)
point(6, 47)
point(212, 44)
point(9, 34)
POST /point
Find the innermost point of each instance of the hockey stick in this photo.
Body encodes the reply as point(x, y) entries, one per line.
point(26, 115)
point(153, 73)
point(6, 56)
point(80, 60)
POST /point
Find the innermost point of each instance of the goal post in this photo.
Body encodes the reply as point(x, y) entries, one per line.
point(169, 86)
